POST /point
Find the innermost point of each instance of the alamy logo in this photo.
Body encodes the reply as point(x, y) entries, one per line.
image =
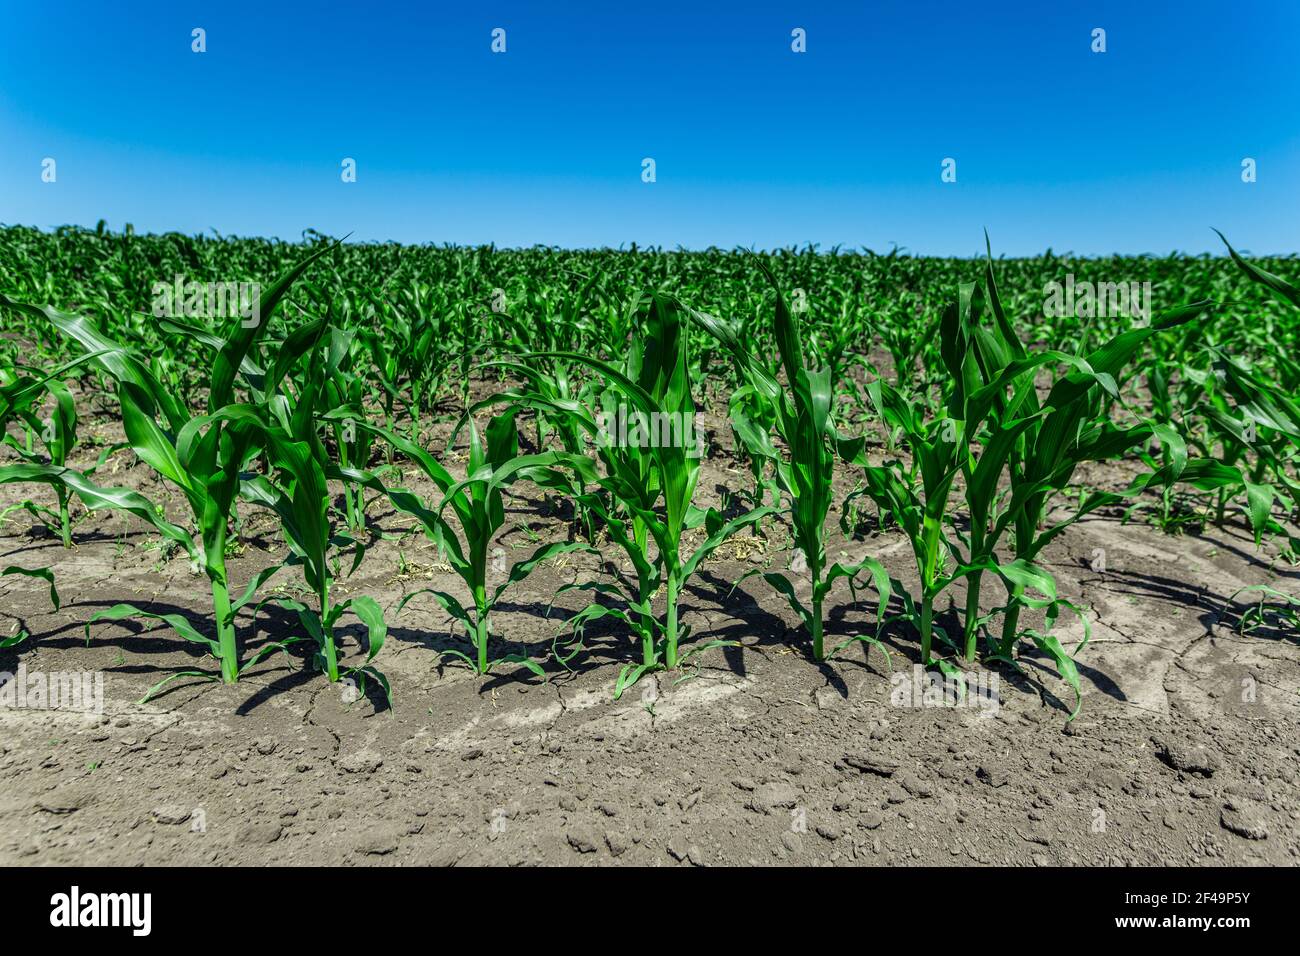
point(1101, 300)
point(74, 909)
point(80, 691)
point(922, 688)
point(632, 428)
point(208, 300)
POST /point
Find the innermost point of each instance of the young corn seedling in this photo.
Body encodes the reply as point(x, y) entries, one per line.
point(294, 450)
point(804, 419)
point(1038, 445)
point(987, 397)
point(202, 456)
point(1048, 441)
point(1265, 421)
point(974, 439)
point(345, 387)
point(553, 397)
point(1270, 407)
point(477, 504)
point(650, 456)
point(58, 435)
point(628, 475)
point(918, 508)
point(1274, 610)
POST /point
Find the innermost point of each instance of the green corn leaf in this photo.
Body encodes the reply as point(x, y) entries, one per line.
point(521, 569)
point(1279, 285)
point(446, 601)
point(240, 335)
point(372, 616)
point(45, 574)
point(1065, 665)
point(178, 623)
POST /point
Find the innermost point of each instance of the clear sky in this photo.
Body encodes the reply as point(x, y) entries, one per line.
point(1137, 149)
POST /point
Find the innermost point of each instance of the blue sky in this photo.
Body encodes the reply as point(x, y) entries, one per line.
point(1138, 149)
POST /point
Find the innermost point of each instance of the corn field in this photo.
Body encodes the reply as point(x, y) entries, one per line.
point(282, 397)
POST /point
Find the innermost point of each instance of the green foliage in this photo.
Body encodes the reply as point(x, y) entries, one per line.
point(961, 405)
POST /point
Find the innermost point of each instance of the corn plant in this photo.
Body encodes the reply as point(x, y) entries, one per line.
point(477, 504)
point(1053, 436)
point(1271, 609)
point(1269, 409)
point(344, 386)
point(804, 419)
point(203, 456)
point(553, 395)
point(991, 381)
point(917, 497)
point(57, 435)
point(299, 496)
point(647, 483)
point(18, 396)
point(996, 427)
